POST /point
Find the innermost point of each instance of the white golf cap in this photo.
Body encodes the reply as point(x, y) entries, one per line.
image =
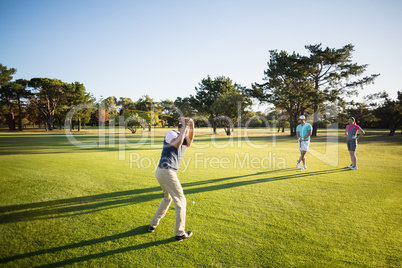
point(302, 117)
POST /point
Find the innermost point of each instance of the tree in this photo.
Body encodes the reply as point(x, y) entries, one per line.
point(208, 92)
point(6, 75)
point(14, 96)
point(21, 94)
point(287, 87)
point(110, 105)
point(169, 112)
point(102, 117)
point(149, 108)
point(77, 95)
point(363, 112)
point(125, 104)
point(377, 111)
point(33, 114)
point(49, 93)
point(390, 112)
point(230, 106)
point(277, 117)
point(331, 71)
point(184, 106)
point(6, 95)
point(133, 120)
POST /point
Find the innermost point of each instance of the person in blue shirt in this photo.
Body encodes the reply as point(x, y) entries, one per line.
point(303, 132)
point(174, 145)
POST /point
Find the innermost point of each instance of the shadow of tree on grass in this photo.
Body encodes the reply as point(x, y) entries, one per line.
point(90, 204)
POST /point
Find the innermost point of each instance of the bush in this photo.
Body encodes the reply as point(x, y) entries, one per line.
point(324, 123)
point(257, 122)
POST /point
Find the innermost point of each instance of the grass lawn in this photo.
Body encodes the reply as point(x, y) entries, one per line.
point(247, 204)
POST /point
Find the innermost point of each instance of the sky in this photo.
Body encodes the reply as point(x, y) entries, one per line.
point(165, 48)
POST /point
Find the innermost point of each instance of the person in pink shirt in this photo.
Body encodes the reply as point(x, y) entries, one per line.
point(351, 132)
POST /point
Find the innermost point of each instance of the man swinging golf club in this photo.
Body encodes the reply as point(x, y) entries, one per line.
point(174, 145)
point(303, 132)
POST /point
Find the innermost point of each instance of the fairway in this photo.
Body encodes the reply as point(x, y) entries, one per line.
point(247, 204)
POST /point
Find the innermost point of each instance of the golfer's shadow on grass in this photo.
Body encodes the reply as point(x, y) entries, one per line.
point(137, 231)
point(278, 177)
point(89, 204)
point(127, 198)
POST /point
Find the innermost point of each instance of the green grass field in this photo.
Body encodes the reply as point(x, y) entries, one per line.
point(62, 205)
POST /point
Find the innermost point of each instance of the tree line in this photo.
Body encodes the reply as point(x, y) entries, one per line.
point(323, 81)
point(319, 84)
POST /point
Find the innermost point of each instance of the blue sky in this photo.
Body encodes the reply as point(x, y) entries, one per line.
point(165, 48)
